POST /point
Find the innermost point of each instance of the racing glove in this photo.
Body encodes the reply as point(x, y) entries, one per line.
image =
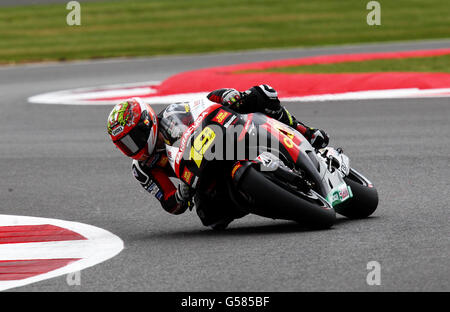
point(319, 138)
point(183, 196)
point(232, 98)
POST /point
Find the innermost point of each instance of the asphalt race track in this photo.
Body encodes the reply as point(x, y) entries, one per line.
point(57, 162)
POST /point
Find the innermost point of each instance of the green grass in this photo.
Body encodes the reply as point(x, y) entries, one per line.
point(413, 64)
point(156, 27)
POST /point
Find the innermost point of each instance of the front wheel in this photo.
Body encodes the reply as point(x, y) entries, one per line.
point(365, 197)
point(268, 199)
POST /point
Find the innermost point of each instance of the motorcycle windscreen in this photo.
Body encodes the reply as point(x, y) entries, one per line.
point(176, 119)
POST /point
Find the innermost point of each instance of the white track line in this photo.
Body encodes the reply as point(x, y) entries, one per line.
point(87, 96)
point(374, 94)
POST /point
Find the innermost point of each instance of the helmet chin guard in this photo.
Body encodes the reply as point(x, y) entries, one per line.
point(133, 128)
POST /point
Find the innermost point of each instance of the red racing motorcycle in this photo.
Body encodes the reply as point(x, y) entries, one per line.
point(258, 165)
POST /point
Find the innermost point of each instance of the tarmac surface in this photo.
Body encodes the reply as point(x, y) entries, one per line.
point(57, 162)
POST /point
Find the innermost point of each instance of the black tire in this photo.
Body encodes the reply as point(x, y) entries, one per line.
point(272, 201)
point(364, 201)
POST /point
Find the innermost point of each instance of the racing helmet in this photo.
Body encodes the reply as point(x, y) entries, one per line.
point(133, 128)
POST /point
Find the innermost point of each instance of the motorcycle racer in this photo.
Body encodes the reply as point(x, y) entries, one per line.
point(141, 134)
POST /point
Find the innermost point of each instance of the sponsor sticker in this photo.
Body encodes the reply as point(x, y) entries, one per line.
point(117, 130)
point(159, 195)
point(339, 194)
point(153, 189)
point(228, 123)
point(187, 175)
point(194, 184)
point(221, 116)
point(235, 168)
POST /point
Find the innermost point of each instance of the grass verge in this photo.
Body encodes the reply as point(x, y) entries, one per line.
point(412, 64)
point(156, 27)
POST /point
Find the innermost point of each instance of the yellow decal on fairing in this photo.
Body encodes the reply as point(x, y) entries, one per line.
point(201, 144)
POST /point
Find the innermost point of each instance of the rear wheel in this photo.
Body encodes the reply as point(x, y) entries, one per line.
point(365, 197)
point(269, 199)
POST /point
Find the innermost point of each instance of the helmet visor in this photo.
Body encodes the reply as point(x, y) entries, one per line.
point(135, 141)
point(127, 145)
